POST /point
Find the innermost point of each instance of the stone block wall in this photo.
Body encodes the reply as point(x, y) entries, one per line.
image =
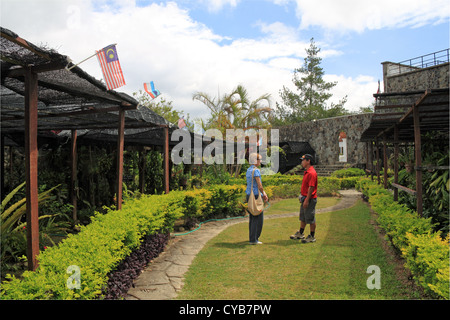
point(323, 136)
point(414, 79)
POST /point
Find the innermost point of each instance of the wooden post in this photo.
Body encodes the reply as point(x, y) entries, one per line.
point(377, 151)
point(371, 160)
point(367, 158)
point(120, 146)
point(385, 164)
point(418, 156)
point(396, 161)
point(2, 160)
point(142, 167)
point(166, 160)
point(73, 179)
point(11, 167)
point(31, 167)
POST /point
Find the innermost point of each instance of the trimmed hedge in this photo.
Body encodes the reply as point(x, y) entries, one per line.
point(284, 186)
point(99, 247)
point(349, 172)
point(426, 252)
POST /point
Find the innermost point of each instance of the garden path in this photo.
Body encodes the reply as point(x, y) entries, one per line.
point(163, 278)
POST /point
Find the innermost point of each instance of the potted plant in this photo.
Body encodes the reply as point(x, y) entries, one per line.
point(407, 159)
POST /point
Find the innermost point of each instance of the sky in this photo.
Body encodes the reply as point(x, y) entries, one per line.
point(211, 46)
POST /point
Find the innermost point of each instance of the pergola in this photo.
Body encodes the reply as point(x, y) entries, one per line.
point(402, 118)
point(39, 93)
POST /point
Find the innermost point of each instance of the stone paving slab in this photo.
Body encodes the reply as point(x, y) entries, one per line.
point(163, 277)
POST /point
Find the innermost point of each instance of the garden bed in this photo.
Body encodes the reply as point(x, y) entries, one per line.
point(426, 252)
point(81, 265)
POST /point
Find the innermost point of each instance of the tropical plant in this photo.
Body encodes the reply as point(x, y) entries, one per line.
point(11, 215)
point(236, 110)
point(11, 225)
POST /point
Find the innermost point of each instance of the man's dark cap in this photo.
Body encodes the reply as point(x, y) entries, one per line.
point(307, 157)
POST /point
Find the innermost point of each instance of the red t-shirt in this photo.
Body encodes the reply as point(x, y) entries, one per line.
point(309, 180)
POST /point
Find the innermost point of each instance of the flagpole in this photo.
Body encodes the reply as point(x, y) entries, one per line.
point(87, 58)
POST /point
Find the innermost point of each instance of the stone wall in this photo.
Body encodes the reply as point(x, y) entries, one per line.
point(323, 136)
point(404, 80)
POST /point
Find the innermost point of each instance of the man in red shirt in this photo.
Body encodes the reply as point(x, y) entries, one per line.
point(308, 200)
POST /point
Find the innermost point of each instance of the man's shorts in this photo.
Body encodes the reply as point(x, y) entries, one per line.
point(309, 215)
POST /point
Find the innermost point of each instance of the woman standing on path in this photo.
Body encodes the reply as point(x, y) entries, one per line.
point(256, 222)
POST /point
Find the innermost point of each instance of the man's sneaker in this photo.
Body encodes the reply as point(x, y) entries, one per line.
point(309, 239)
point(298, 236)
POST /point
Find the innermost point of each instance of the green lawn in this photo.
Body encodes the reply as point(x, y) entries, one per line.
point(334, 267)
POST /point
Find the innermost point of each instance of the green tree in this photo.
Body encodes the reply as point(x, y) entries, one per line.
point(310, 100)
point(236, 110)
point(163, 108)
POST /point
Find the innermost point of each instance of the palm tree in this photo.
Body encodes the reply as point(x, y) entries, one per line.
point(236, 111)
point(218, 119)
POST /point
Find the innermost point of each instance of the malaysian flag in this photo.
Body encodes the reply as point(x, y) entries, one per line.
point(109, 62)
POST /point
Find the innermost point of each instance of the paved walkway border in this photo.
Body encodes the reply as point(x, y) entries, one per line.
point(163, 278)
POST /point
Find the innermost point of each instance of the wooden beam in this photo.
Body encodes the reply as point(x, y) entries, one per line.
point(408, 190)
point(120, 146)
point(31, 167)
point(23, 43)
point(50, 66)
point(81, 112)
point(432, 168)
point(411, 110)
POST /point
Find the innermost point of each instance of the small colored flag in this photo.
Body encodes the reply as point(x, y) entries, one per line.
point(378, 91)
point(151, 91)
point(181, 123)
point(109, 62)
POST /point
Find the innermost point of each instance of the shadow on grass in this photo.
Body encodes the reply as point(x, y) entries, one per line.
point(232, 245)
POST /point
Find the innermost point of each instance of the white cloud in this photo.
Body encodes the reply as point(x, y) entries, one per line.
point(162, 43)
point(159, 43)
point(217, 5)
point(359, 15)
point(358, 90)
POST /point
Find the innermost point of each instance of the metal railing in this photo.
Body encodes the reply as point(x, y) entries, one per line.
point(425, 61)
